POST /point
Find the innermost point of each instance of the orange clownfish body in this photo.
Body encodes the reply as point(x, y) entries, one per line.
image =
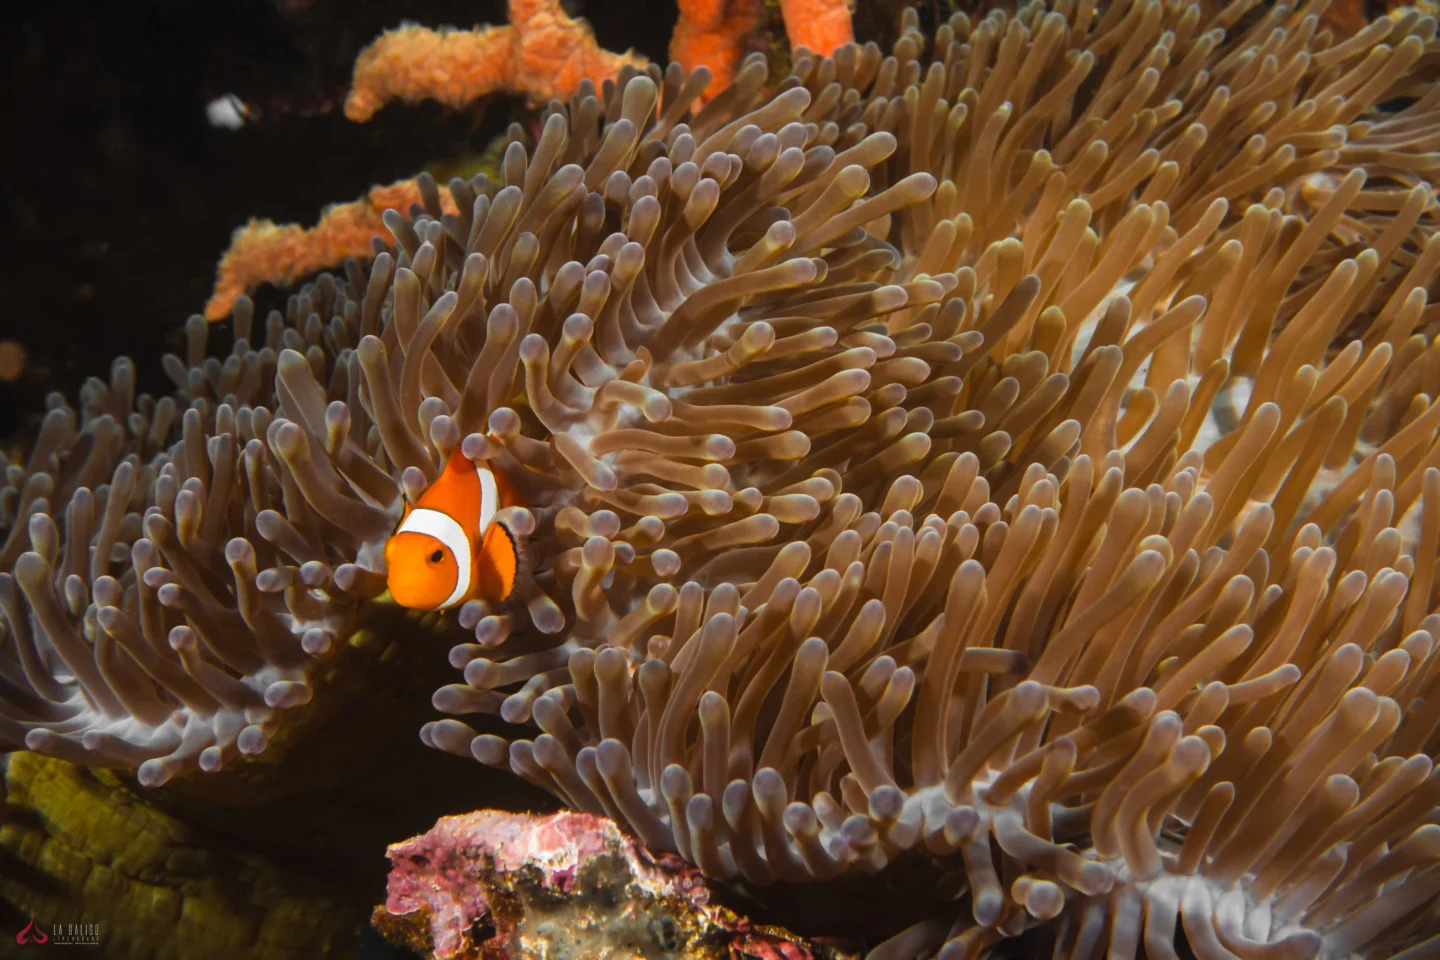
point(449, 547)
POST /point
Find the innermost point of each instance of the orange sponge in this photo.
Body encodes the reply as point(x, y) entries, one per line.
point(713, 33)
point(542, 53)
point(265, 252)
point(821, 25)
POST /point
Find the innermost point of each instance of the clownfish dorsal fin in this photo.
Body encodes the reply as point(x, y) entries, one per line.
point(523, 569)
point(507, 561)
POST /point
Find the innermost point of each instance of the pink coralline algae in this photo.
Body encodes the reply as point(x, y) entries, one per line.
point(491, 884)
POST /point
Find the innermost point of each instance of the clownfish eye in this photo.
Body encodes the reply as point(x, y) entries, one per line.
point(437, 556)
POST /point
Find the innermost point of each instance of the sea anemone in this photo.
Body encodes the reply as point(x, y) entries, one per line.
point(1017, 451)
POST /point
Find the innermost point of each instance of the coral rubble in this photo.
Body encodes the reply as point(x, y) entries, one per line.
point(492, 884)
point(1019, 451)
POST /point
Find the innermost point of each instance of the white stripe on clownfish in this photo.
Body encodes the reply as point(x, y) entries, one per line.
point(489, 499)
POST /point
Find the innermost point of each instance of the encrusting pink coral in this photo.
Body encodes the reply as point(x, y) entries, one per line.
point(568, 884)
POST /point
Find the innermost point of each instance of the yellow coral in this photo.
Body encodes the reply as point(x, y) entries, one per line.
point(89, 851)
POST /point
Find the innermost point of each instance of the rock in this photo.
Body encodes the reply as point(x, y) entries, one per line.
point(491, 884)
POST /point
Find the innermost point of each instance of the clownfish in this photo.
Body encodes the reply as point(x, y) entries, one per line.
point(449, 548)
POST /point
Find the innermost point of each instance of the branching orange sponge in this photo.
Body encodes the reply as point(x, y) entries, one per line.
point(713, 33)
point(821, 25)
point(263, 251)
point(542, 53)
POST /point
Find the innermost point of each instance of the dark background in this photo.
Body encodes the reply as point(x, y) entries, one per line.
point(119, 197)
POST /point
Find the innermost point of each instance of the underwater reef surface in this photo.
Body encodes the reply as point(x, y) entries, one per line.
point(1013, 458)
point(276, 860)
point(570, 884)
